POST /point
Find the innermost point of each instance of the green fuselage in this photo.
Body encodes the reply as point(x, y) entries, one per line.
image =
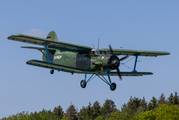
point(89, 62)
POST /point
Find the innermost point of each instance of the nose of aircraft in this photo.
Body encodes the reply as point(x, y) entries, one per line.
point(114, 62)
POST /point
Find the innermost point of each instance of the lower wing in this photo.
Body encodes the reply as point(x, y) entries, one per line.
point(81, 71)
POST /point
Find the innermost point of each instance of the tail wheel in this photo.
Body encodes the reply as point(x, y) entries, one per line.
point(51, 71)
point(113, 86)
point(83, 83)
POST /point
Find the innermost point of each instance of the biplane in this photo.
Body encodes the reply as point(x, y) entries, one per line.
point(72, 58)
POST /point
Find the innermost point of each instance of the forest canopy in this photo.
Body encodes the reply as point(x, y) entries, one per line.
point(134, 109)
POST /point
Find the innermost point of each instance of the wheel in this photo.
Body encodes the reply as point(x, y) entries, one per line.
point(83, 83)
point(113, 86)
point(51, 71)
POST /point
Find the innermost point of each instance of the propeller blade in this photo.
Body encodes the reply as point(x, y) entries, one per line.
point(124, 58)
point(119, 73)
point(111, 50)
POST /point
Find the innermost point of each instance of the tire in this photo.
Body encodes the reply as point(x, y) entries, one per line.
point(113, 86)
point(83, 83)
point(51, 71)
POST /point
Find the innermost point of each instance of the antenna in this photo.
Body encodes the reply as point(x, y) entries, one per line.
point(93, 46)
point(98, 43)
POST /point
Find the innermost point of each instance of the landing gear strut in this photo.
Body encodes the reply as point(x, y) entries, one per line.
point(84, 82)
point(51, 71)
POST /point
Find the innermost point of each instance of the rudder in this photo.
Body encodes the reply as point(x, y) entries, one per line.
point(52, 36)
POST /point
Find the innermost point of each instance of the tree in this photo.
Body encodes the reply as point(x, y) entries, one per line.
point(71, 112)
point(162, 99)
point(170, 99)
point(164, 112)
point(153, 103)
point(89, 112)
point(108, 107)
point(58, 112)
point(176, 99)
point(96, 110)
point(135, 106)
point(81, 114)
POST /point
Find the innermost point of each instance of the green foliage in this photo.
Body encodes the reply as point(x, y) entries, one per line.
point(163, 113)
point(64, 118)
point(42, 115)
point(100, 118)
point(120, 116)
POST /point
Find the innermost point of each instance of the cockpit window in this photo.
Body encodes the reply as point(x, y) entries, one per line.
point(101, 52)
point(97, 52)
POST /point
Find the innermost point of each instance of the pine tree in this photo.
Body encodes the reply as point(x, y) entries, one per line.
point(133, 104)
point(176, 99)
point(81, 114)
point(108, 107)
point(170, 99)
point(96, 110)
point(71, 112)
point(152, 104)
point(89, 111)
point(144, 104)
point(58, 112)
point(162, 99)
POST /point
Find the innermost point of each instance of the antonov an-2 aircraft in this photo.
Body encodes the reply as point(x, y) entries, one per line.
point(80, 59)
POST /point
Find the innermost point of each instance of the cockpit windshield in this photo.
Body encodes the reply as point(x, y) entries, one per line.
point(99, 52)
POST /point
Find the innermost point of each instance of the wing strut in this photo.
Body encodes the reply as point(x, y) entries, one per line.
point(45, 44)
point(136, 56)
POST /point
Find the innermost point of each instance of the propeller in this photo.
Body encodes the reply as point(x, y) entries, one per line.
point(114, 62)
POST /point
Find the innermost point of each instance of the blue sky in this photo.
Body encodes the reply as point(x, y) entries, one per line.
point(138, 25)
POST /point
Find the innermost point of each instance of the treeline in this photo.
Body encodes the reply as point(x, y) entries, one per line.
point(134, 109)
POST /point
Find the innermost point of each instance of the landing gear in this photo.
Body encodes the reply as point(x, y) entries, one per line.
point(83, 83)
point(113, 86)
point(51, 71)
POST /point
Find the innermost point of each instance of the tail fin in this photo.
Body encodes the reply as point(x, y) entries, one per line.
point(52, 36)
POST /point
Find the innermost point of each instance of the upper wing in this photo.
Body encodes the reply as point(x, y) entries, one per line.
point(51, 44)
point(37, 48)
point(138, 52)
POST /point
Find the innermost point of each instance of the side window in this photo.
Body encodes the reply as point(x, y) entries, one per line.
point(101, 52)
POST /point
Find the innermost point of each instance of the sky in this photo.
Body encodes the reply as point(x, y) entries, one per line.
point(137, 25)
